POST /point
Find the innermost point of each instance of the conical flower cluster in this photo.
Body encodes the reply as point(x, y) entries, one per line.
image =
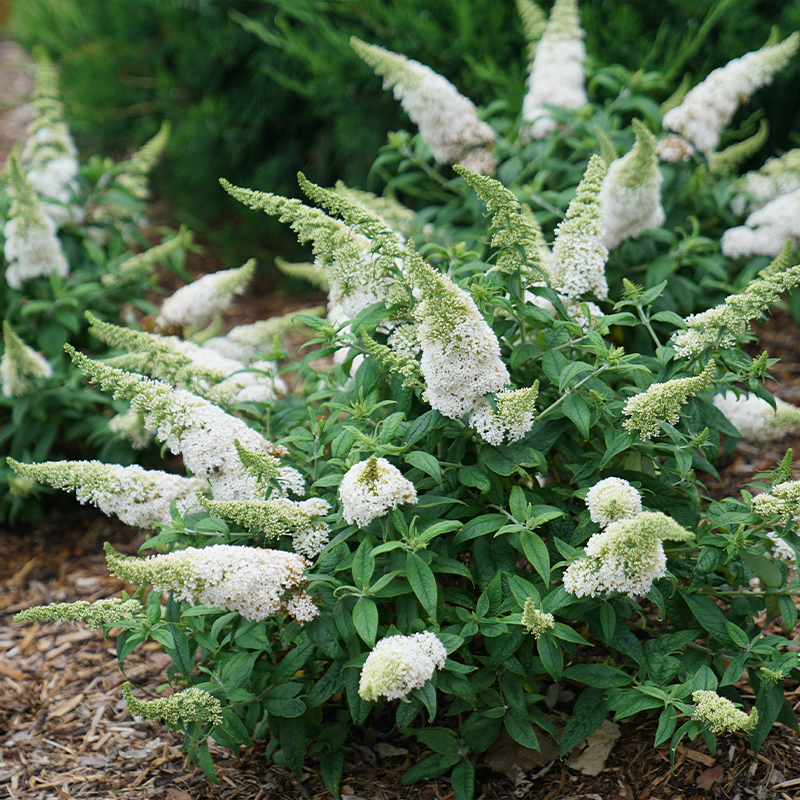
point(20, 365)
point(371, 488)
point(448, 122)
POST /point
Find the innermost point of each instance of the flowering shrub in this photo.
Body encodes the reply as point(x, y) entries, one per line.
point(498, 496)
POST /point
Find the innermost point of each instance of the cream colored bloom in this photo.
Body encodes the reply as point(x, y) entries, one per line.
point(399, 664)
point(534, 621)
point(613, 499)
point(720, 714)
point(371, 488)
point(755, 418)
point(20, 365)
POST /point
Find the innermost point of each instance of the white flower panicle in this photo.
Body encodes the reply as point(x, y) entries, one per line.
point(724, 324)
point(534, 23)
point(189, 705)
point(783, 551)
point(662, 402)
point(766, 230)
point(32, 247)
point(371, 488)
point(394, 214)
point(613, 499)
point(358, 277)
point(626, 557)
point(102, 612)
point(460, 352)
point(783, 500)
point(720, 714)
point(755, 418)
point(579, 255)
point(251, 580)
point(631, 193)
point(513, 418)
point(21, 365)
point(448, 122)
point(534, 621)
point(197, 303)
point(129, 425)
point(201, 432)
point(398, 664)
point(137, 496)
point(778, 176)
point(674, 148)
point(710, 106)
point(557, 76)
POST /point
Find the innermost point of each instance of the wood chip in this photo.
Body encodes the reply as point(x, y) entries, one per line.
point(702, 758)
point(66, 706)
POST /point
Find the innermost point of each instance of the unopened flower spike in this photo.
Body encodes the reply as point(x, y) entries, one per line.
point(399, 664)
point(778, 176)
point(534, 621)
point(21, 366)
point(631, 193)
point(728, 160)
point(306, 271)
point(371, 488)
point(94, 615)
point(448, 122)
point(145, 263)
point(201, 431)
point(626, 557)
point(268, 473)
point(534, 23)
point(251, 580)
point(32, 247)
point(512, 417)
point(50, 156)
point(515, 234)
point(390, 211)
point(460, 352)
point(724, 324)
point(720, 714)
point(662, 402)
point(278, 516)
point(132, 174)
point(607, 149)
point(196, 303)
point(357, 279)
point(579, 255)
point(782, 499)
point(189, 705)
point(557, 76)
point(395, 361)
point(710, 106)
point(137, 496)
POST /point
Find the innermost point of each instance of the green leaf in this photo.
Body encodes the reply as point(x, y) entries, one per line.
point(330, 683)
point(769, 702)
point(621, 442)
point(535, 551)
point(422, 582)
point(294, 660)
point(520, 729)
point(480, 526)
point(363, 563)
point(571, 373)
point(365, 618)
point(551, 655)
point(440, 740)
point(587, 716)
point(497, 461)
point(577, 410)
point(425, 462)
point(676, 320)
point(474, 476)
point(462, 779)
point(567, 634)
point(518, 504)
point(788, 611)
point(421, 426)
point(708, 615)
point(292, 735)
point(608, 621)
point(330, 768)
point(205, 761)
point(666, 725)
point(600, 676)
point(764, 568)
point(430, 767)
point(737, 634)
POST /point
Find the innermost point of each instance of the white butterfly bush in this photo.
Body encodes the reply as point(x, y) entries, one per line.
point(198, 302)
point(557, 76)
point(613, 499)
point(765, 230)
point(777, 177)
point(710, 106)
point(755, 418)
point(631, 195)
point(398, 664)
point(21, 366)
point(371, 488)
point(448, 122)
point(254, 581)
point(32, 247)
point(137, 496)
